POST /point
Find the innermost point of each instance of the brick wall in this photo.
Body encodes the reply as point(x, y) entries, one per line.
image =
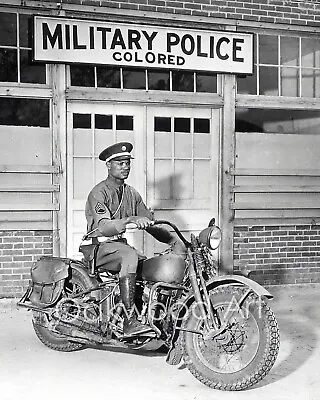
point(305, 13)
point(278, 254)
point(18, 250)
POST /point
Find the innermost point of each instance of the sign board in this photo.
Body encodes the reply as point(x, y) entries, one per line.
point(62, 40)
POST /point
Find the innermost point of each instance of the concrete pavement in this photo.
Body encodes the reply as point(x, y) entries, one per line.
point(30, 371)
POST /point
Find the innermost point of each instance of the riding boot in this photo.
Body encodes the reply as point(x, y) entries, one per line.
point(131, 326)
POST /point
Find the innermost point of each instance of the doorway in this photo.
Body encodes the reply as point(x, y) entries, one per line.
point(176, 165)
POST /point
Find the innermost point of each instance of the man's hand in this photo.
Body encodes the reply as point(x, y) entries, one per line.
point(141, 222)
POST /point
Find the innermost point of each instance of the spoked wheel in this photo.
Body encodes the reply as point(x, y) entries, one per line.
point(77, 282)
point(246, 348)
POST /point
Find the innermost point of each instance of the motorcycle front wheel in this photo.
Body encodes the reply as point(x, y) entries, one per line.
point(77, 281)
point(246, 348)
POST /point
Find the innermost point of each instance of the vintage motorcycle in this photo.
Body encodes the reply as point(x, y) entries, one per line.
point(220, 326)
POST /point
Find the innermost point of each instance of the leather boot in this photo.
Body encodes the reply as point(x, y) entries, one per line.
point(131, 326)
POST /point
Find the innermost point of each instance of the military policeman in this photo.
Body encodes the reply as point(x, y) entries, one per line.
point(110, 207)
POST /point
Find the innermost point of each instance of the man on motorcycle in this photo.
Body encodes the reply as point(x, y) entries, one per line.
point(110, 207)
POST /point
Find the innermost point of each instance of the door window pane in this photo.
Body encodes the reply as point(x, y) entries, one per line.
point(103, 121)
point(182, 125)
point(201, 125)
point(82, 178)
point(124, 122)
point(162, 124)
point(108, 77)
point(182, 145)
point(81, 121)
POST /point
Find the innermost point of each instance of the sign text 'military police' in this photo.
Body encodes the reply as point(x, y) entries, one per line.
point(60, 40)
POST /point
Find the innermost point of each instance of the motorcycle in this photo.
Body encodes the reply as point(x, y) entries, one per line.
point(219, 325)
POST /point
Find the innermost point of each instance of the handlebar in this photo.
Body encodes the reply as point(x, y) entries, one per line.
point(132, 225)
point(175, 228)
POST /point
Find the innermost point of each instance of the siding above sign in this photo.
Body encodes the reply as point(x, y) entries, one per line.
point(62, 40)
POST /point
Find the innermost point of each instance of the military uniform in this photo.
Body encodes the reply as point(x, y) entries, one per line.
point(109, 206)
point(106, 206)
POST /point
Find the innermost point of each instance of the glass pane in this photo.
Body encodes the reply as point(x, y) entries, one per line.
point(289, 82)
point(108, 77)
point(206, 83)
point(182, 145)
point(278, 121)
point(269, 81)
point(25, 29)
point(8, 65)
point(201, 186)
point(82, 75)
point(102, 139)
point(162, 145)
point(24, 112)
point(82, 179)
point(201, 125)
point(162, 179)
point(158, 80)
point(289, 51)
point(82, 142)
point(134, 79)
point(8, 29)
point(248, 84)
point(162, 124)
point(182, 125)
point(268, 49)
point(182, 81)
point(31, 72)
point(310, 53)
point(183, 179)
point(124, 122)
point(202, 146)
point(81, 121)
point(310, 85)
point(103, 121)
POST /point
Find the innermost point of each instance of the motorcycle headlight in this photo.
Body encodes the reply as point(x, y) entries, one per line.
point(211, 237)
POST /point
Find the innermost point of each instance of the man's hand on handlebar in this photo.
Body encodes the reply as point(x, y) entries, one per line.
point(140, 222)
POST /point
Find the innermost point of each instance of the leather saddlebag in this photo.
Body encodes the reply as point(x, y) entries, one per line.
point(48, 275)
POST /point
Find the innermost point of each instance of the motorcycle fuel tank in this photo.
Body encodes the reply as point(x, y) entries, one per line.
point(167, 268)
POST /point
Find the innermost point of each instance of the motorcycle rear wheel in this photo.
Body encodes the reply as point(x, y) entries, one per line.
point(77, 282)
point(244, 352)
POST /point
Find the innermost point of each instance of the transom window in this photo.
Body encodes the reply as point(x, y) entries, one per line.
point(284, 66)
point(142, 79)
point(16, 50)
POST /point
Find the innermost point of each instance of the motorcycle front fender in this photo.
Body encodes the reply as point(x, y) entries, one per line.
point(223, 280)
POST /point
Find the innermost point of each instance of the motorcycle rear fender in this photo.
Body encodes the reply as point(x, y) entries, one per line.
point(212, 284)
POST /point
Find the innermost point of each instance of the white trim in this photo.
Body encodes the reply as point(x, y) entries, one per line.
point(124, 153)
